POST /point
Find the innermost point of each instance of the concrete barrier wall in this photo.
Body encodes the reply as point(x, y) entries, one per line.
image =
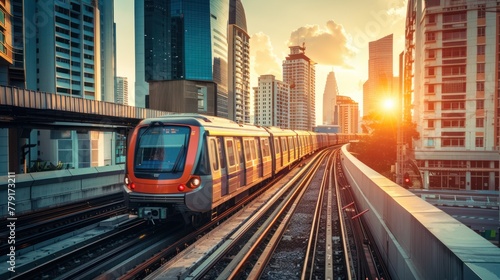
point(34, 191)
point(417, 240)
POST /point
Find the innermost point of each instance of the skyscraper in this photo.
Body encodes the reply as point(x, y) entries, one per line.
point(299, 73)
point(239, 64)
point(348, 114)
point(69, 50)
point(379, 85)
point(65, 43)
point(451, 72)
point(185, 46)
point(330, 114)
point(272, 101)
point(121, 90)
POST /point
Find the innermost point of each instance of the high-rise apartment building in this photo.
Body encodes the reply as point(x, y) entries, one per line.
point(239, 64)
point(186, 54)
point(348, 114)
point(69, 50)
point(121, 90)
point(299, 72)
point(380, 84)
point(330, 113)
point(451, 71)
point(64, 54)
point(271, 102)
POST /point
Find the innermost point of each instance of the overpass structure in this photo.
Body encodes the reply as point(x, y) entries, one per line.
point(28, 108)
point(417, 240)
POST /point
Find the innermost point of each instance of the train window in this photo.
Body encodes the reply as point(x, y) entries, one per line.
point(290, 140)
point(252, 148)
point(239, 150)
point(221, 153)
point(276, 145)
point(161, 149)
point(203, 163)
point(284, 146)
point(248, 154)
point(230, 152)
point(265, 147)
point(213, 151)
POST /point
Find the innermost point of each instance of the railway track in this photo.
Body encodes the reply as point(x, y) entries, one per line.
point(39, 226)
point(300, 227)
point(253, 248)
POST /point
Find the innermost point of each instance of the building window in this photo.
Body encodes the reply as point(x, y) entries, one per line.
point(431, 54)
point(430, 123)
point(431, 19)
point(430, 36)
point(480, 68)
point(481, 12)
point(454, 35)
point(479, 122)
point(479, 104)
point(455, 52)
point(481, 49)
point(479, 142)
point(453, 139)
point(430, 71)
point(430, 89)
point(430, 106)
point(481, 31)
point(453, 105)
point(429, 142)
point(480, 86)
point(454, 70)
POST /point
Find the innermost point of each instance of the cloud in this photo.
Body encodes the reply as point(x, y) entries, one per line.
point(263, 60)
point(327, 45)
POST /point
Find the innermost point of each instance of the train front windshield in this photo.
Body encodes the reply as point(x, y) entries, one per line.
point(161, 149)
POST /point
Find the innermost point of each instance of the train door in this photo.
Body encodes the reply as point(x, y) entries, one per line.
point(260, 161)
point(223, 167)
point(266, 157)
point(277, 154)
point(249, 164)
point(241, 161)
point(213, 152)
point(232, 164)
point(284, 151)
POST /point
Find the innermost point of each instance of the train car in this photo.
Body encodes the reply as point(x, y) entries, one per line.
point(192, 164)
point(196, 165)
point(282, 154)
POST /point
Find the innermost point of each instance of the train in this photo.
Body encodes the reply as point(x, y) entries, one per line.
point(197, 165)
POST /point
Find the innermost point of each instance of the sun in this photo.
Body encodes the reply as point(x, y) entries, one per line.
point(388, 104)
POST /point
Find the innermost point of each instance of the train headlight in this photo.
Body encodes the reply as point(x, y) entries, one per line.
point(126, 181)
point(194, 182)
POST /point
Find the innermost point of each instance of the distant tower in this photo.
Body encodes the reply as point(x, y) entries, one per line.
point(121, 90)
point(299, 73)
point(239, 64)
point(348, 114)
point(330, 114)
point(272, 102)
point(380, 76)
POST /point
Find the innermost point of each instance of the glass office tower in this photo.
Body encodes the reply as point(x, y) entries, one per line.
point(185, 53)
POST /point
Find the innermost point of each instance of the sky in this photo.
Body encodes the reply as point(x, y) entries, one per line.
point(335, 33)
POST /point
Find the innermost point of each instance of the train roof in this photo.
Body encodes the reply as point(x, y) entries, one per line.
point(213, 125)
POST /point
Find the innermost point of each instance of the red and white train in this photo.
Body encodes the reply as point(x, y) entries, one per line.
point(195, 165)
